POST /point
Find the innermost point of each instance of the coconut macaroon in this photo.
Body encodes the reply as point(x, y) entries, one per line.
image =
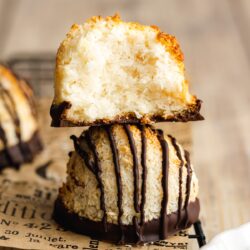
point(19, 139)
point(110, 71)
point(128, 184)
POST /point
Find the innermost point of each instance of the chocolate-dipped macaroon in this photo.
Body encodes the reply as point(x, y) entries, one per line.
point(128, 184)
point(19, 138)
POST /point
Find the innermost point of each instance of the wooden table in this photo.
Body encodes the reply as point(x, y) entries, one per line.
point(215, 38)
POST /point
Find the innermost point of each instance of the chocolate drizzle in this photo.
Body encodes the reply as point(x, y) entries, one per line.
point(144, 173)
point(4, 140)
point(98, 176)
point(135, 167)
point(188, 184)
point(10, 106)
point(165, 168)
point(21, 151)
point(178, 153)
point(84, 155)
point(118, 179)
point(136, 179)
point(3, 136)
point(167, 223)
point(26, 89)
point(95, 168)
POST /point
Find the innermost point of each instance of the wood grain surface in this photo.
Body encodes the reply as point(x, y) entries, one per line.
point(215, 38)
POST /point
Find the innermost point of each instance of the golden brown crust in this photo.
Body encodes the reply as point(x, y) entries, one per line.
point(59, 114)
point(20, 87)
point(170, 42)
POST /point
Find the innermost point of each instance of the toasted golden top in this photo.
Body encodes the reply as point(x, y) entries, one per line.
point(169, 41)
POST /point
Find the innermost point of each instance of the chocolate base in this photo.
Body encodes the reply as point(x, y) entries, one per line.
point(150, 231)
point(58, 115)
point(21, 153)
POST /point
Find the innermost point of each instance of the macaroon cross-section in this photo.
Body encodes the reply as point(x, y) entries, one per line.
point(110, 71)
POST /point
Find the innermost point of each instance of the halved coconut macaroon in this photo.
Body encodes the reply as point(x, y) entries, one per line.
point(110, 71)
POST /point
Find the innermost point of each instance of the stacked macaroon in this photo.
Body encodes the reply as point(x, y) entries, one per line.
point(127, 182)
point(19, 137)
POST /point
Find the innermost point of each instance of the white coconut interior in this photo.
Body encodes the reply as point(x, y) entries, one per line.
point(106, 70)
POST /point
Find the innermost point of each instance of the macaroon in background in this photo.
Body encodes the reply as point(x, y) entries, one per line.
point(214, 37)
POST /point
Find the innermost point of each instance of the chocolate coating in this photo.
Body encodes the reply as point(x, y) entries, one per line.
point(14, 156)
point(150, 231)
point(57, 113)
